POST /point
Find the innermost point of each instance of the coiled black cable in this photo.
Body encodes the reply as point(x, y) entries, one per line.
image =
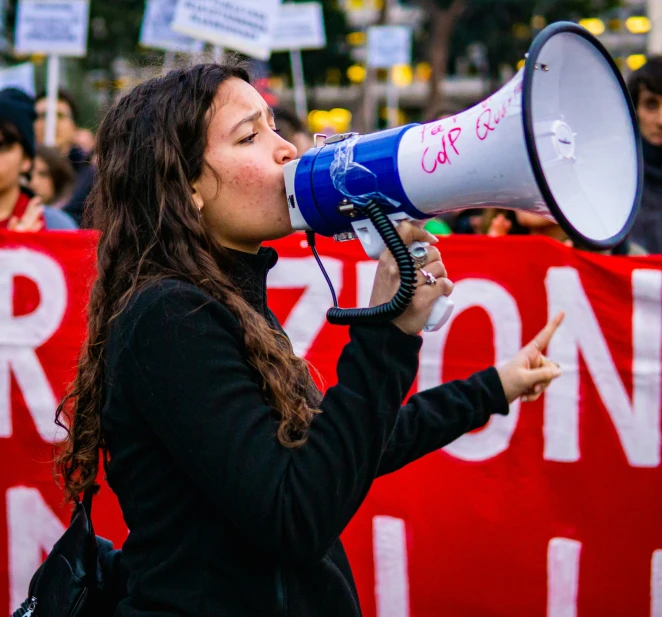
point(398, 304)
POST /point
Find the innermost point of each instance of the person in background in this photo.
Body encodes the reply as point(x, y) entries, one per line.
point(66, 130)
point(66, 140)
point(438, 226)
point(292, 129)
point(536, 225)
point(53, 177)
point(645, 86)
point(20, 209)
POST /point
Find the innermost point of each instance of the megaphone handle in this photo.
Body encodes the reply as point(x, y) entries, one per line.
point(443, 307)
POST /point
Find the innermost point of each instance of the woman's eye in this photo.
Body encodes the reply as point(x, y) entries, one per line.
point(249, 140)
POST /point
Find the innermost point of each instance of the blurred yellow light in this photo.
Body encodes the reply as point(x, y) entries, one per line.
point(594, 25)
point(318, 120)
point(423, 71)
point(340, 119)
point(402, 75)
point(354, 5)
point(636, 61)
point(521, 31)
point(356, 38)
point(356, 74)
point(521, 64)
point(276, 82)
point(638, 24)
point(538, 22)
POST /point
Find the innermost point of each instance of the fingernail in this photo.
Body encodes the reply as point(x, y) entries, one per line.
point(557, 372)
point(537, 389)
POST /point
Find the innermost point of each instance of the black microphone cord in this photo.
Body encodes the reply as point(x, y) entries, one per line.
point(310, 237)
point(388, 311)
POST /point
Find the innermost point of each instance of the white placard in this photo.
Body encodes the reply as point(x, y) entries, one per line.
point(388, 46)
point(299, 26)
point(157, 33)
point(243, 25)
point(20, 76)
point(54, 27)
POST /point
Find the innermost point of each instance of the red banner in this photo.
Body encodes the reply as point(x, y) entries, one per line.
point(554, 510)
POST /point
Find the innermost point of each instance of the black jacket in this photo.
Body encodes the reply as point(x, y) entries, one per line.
point(647, 228)
point(224, 520)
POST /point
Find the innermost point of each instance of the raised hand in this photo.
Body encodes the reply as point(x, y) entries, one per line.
point(529, 373)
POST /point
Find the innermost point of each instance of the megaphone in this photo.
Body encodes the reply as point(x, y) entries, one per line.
point(560, 140)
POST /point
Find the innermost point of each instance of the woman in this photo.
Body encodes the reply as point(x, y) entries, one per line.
point(53, 177)
point(234, 475)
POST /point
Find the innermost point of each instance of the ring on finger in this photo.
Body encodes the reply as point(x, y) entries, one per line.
point(429, 278)
point(420, 256)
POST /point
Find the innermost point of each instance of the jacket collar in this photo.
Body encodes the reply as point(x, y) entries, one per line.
point(249, 273)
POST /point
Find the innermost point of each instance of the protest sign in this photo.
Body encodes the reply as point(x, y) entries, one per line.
point(20, 76)
point(242, 25)
point(299, 26)
point(157, 33)
point(52, 27)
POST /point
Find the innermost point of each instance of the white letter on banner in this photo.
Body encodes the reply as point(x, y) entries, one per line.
point(365, 278)
point(502, 309)
point(637, 423)
point(562, 577)
point(21, 336)
point(32, 528)
point(308, 316)
point(391, 576)
point(656, 584)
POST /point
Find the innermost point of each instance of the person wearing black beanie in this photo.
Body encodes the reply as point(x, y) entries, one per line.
point(19, 209)
point(17, 109)
point(645, 86)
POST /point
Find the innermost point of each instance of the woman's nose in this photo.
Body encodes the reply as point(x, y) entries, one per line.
point(286, 152)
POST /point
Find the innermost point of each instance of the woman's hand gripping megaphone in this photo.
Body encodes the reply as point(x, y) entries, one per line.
point(432, 281)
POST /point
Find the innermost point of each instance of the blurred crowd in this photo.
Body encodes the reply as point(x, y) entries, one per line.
point(44, 187)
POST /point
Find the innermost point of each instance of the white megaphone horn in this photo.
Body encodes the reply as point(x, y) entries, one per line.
point(560, 139)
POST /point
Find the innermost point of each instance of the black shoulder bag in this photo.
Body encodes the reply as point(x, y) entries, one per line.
point(70, 583)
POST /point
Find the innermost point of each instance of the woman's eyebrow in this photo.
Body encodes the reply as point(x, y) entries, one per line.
point(252, 118)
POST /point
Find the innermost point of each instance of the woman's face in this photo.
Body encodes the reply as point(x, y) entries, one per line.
point(242, 195)
point(42, 183)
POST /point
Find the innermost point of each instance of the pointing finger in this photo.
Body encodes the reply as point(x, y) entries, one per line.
point(541, 340)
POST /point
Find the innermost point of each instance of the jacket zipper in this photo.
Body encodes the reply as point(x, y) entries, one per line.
point(31, 607)
point(281, 596)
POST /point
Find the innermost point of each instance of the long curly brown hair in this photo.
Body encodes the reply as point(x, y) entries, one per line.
point(150, 149)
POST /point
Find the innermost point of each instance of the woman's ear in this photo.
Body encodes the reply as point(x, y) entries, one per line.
point(197, 197)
